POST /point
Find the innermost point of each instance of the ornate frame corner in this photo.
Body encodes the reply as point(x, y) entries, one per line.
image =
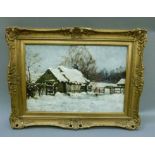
point(16, 122)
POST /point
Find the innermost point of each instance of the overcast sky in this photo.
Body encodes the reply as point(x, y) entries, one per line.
point(109, 57)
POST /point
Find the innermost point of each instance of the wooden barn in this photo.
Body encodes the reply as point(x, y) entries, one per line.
point(63, 80)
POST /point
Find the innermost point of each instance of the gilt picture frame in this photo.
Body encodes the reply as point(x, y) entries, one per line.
point(75, 77)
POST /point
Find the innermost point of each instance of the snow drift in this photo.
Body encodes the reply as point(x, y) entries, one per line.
point(77, 102)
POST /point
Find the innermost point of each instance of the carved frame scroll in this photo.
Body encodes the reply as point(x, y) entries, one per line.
point(135, 40)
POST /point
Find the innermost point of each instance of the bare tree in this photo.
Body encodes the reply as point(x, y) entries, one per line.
point(113, 75)
point(32, 61)
point(80, 58)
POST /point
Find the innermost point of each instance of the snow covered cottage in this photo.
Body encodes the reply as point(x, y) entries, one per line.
point(121, 83)
point(63, 80)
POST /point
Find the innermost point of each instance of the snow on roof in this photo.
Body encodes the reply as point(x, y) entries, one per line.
point(64, 74)
point(73, 75)
point(121, 81)
point(58, 74)
point(101, 84)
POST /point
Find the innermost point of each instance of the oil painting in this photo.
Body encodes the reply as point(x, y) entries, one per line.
point(75, 78)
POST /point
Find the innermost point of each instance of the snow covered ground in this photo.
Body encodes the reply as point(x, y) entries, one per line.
point(77, 102)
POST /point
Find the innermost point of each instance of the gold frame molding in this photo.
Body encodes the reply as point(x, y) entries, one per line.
point(17, 38)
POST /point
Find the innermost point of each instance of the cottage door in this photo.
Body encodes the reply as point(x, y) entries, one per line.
point(64, 88)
